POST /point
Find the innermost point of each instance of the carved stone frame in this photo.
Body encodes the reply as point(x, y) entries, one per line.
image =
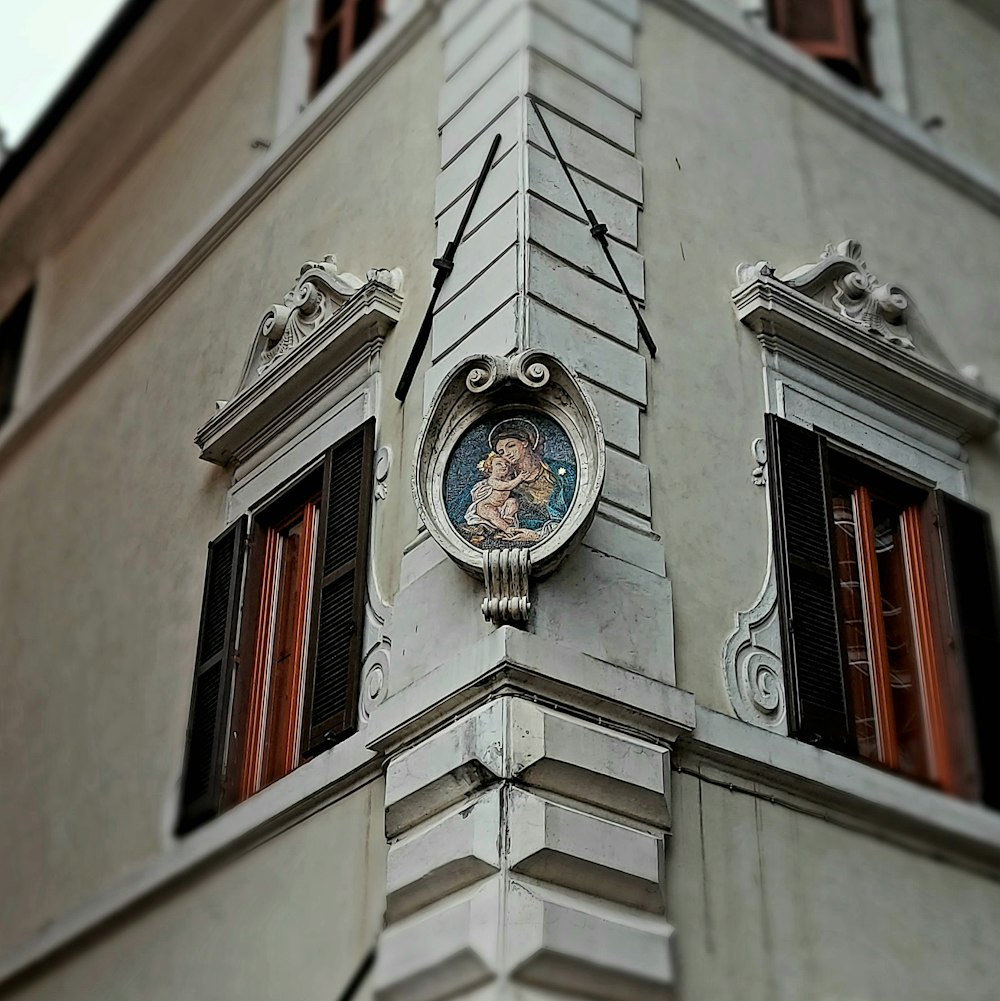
point(845, 354)
point(313, 375)
point(329, 325)
point(485, 384)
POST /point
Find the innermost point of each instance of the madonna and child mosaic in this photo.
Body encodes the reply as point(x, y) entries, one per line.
point(510, 481)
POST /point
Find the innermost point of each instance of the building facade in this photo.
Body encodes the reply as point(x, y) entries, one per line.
point(712, 365)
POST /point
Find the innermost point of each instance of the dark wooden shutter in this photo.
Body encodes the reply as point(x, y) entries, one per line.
point(337, 632)
point(814, 665)
point(12, 330)
point(832, 31)
point(823, 28)
point(211, 696)
point(972, 582)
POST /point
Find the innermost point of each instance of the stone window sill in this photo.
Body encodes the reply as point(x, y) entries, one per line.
point(840, 790)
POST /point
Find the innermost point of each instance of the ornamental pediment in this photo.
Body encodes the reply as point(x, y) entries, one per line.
point(841, 281)
point(318, 294)
point(329, 326)
point(835, 318)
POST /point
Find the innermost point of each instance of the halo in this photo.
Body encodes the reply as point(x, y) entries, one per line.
point(520, 426)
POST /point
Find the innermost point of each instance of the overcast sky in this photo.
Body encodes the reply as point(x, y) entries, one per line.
point(41, 42)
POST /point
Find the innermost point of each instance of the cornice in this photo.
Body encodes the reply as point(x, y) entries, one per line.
point(289, 386)
point(754, 761)
point(311, 788)
point(789, 322)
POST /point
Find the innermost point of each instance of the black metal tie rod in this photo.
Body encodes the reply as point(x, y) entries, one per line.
point(445, 264)
point(599, 232)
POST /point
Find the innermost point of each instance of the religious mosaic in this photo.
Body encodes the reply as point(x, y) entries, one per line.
point(510, 480)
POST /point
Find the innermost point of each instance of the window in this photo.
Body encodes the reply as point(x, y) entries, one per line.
point(342, 27)
point(888, 607)
point(280, 645)
point(283, 541)
point(12, 330)
point(833, 31)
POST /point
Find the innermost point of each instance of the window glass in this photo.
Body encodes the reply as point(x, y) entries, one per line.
point(852, 619)
point(273, 722)
point(342, 27)
point(887, 631)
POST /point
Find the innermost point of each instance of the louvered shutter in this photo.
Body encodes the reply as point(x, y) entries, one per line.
point(823, 28)
point(800, 499)
point(972, 583)
point(211, 696)
point(333, 680)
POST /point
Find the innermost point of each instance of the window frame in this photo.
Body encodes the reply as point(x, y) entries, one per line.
point(257, 638)
point(887, 393)
point(886, 55)
point(942, 678)
point(851, 47)
point(259, 482)
point(296, 82)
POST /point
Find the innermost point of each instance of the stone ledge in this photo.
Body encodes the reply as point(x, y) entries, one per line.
point(840, 790)
point(573, 942)
point(509, 661)
point(445, 855)
point(440, 952)
point(561, 845)
point(321, 782)
point(565, 941)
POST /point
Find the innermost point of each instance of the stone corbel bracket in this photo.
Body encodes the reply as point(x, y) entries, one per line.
point(505, 574)
point(751, 659)
point(484, 385)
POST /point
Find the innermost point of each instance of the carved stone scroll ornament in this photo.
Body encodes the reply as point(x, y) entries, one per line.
point(752, 661)
point(841, 281)
point(377, 646)
point(320, 291)
point(508, 471)
point(759, 450)
point(383, 464)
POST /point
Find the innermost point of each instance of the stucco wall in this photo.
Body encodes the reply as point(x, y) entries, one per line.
point(293, 918)
point(775, 905)
point(166, 194)
point(953, 74)
point(746, 170)
point(941, 54)
point(99, 607)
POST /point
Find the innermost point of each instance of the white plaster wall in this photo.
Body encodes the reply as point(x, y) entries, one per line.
point(292, 919)
point(953, 72)
point(167, 193)
point(108, 511)
point(776, 905)
point(943, 66)
point(739, 168)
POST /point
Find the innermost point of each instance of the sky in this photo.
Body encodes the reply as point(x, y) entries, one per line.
point(41, 43)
